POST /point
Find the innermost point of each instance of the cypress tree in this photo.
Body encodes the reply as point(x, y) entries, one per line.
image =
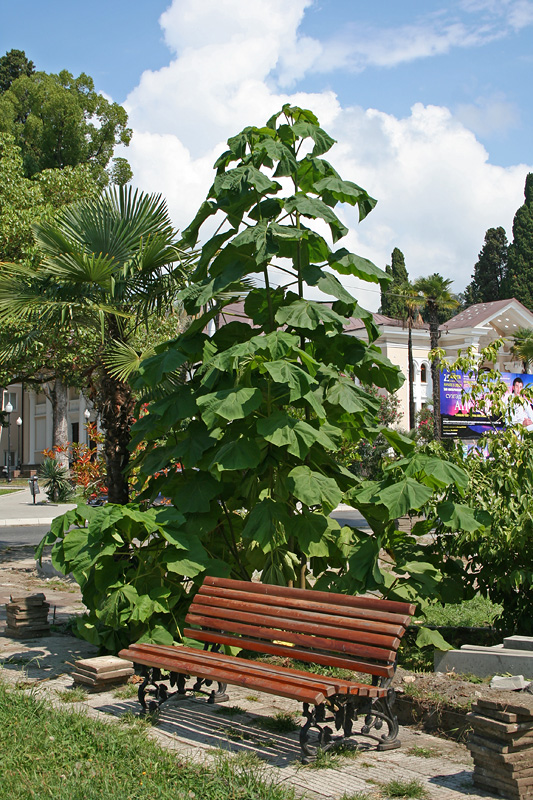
point(392, 305)
point(489, 272)
point(519, 281)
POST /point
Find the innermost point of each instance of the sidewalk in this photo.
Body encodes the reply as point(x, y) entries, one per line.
point(18, 508)
point(192, 728)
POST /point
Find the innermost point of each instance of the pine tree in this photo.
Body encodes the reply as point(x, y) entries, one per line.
point(519, 282)
point(392, 305)
point(489, 271)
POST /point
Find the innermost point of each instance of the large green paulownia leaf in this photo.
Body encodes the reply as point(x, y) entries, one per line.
point(403, 496)
point(309, 315)
point(351, 264)
point(231, 403)
point(313, 488)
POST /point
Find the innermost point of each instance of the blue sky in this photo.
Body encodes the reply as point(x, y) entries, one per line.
point(430, 101)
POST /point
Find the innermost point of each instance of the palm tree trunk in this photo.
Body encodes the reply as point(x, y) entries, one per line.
point(57, 393)
point(116, 406)
point(435, 372)
point(411, 372)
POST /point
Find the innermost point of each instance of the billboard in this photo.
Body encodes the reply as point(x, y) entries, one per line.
point(459, 420)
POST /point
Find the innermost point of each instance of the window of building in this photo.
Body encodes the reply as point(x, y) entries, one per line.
point(10, 397)
point(423, 374)
point(75, 432)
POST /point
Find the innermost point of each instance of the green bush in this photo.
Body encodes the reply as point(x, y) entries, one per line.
point(56, 481)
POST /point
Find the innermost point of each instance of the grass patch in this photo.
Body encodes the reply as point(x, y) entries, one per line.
point(330, 758)
point(126, 692)
point(475, 613)
point(75, 695)
point(356, 796)
point(282, 722)
point(408, 789)
point(69, 756)
point(422, 752)
point(229, 711)
point(8, 491)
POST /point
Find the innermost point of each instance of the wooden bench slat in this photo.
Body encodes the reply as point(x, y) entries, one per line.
point(192, 655)
point(317, 612)
point(269, 684)
point(307, 640)
point(371, 614)
point(280, 625)
point(335, 598)
point(299, 654)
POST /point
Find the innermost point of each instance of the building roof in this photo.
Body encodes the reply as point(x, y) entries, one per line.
point(383, 321)
point(480, 313)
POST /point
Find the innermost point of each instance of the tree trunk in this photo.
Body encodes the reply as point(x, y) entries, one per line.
point(58, 396)
point(435, 371)
point(411, 373)
point(116, 406)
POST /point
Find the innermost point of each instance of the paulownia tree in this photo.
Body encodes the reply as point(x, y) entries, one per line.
point(243, 425)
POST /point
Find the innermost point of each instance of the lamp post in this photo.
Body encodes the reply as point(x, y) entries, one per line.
point(19, 426)
point(87, 415)
point(8, 409)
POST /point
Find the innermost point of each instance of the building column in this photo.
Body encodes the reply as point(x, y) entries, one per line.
point(49, 433)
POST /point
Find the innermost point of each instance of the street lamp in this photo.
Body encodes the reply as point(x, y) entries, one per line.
point(19, 426)
point(87, 415)
point(8, 409)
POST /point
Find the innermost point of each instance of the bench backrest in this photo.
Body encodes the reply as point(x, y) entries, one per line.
point(357, 633)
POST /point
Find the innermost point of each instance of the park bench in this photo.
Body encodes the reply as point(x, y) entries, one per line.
point(361, 634)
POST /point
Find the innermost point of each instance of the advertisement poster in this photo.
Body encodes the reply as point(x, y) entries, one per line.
point(460, 421)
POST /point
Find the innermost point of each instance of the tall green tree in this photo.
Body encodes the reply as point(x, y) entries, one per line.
point(438, 300)
point(12, 65)
point(392, 304)
point(106, 265)
point(59, 121)
point(490, 269)
point(412, 303)
point(519, 281)
point(247, 447)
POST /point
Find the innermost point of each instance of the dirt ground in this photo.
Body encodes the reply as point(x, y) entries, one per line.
point(20, 576)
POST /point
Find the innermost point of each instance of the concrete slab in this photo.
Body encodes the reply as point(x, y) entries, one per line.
point(518, 642)
point(485, 662)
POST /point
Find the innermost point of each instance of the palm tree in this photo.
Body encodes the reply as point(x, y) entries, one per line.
point(437, 298)
point(108, 264)
point(522, 347)
point(412, 302)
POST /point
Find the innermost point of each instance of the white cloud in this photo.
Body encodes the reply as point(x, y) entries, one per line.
point(437, 192)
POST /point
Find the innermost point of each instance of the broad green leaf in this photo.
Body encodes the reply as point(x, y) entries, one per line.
point(189, 562)
point(195, 492)
point(310, 531)
point(403, 496)
point(334, 189)
point(298, 381)
point(344, 393)
point(314, 208)
point(231, 403)
point(350, 264)
point(156, 635)
point(323, 141)
point(458, 517)
point(430, 638)
point(243, 453)
point(265, 524)
point(313, 488)
point(327, 283)
point(402, 444)
point(309, 315)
